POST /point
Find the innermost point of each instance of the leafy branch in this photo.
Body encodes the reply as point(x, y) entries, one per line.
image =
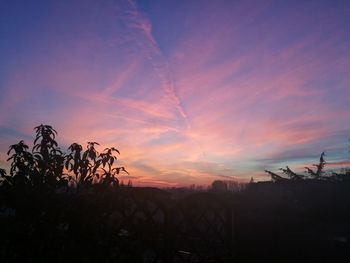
point(291, 175)
point(46, 166)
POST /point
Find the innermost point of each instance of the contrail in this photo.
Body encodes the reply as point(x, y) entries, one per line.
point(139, 24)
point(134, 19)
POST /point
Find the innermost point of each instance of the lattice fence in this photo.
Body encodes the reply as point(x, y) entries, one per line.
point(124, 226)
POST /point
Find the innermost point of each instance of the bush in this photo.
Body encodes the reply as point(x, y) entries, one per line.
point(46, 167)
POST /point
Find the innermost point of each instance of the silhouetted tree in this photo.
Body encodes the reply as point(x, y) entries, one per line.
point(219, 186)
point(275, 177)
point(317, 174)
point(129, 183)
point(44, 166)
point(49, 158)
point(319, 168)
point(90, 167)
point(291, 175)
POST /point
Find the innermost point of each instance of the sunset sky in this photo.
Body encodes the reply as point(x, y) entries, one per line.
point(188, 91)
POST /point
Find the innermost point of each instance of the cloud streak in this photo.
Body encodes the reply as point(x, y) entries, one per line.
point(142, 28)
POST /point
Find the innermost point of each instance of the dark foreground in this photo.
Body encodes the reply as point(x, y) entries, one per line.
point(288, 222)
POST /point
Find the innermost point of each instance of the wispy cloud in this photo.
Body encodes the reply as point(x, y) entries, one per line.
point(141, 27)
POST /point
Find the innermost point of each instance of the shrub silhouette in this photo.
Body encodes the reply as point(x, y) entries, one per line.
point(219, 186)
point(319, 168)
point(85, 165)
point(47, 167)
point(316, 174)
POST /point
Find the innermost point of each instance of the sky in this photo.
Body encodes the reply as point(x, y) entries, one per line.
point(188, 91)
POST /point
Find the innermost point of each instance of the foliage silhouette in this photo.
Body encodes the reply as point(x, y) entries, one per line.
point(218, 186)
point(319, 168)
point(313, 174)
point(47, 167)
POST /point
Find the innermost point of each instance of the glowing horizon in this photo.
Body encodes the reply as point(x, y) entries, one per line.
point(188, 92)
